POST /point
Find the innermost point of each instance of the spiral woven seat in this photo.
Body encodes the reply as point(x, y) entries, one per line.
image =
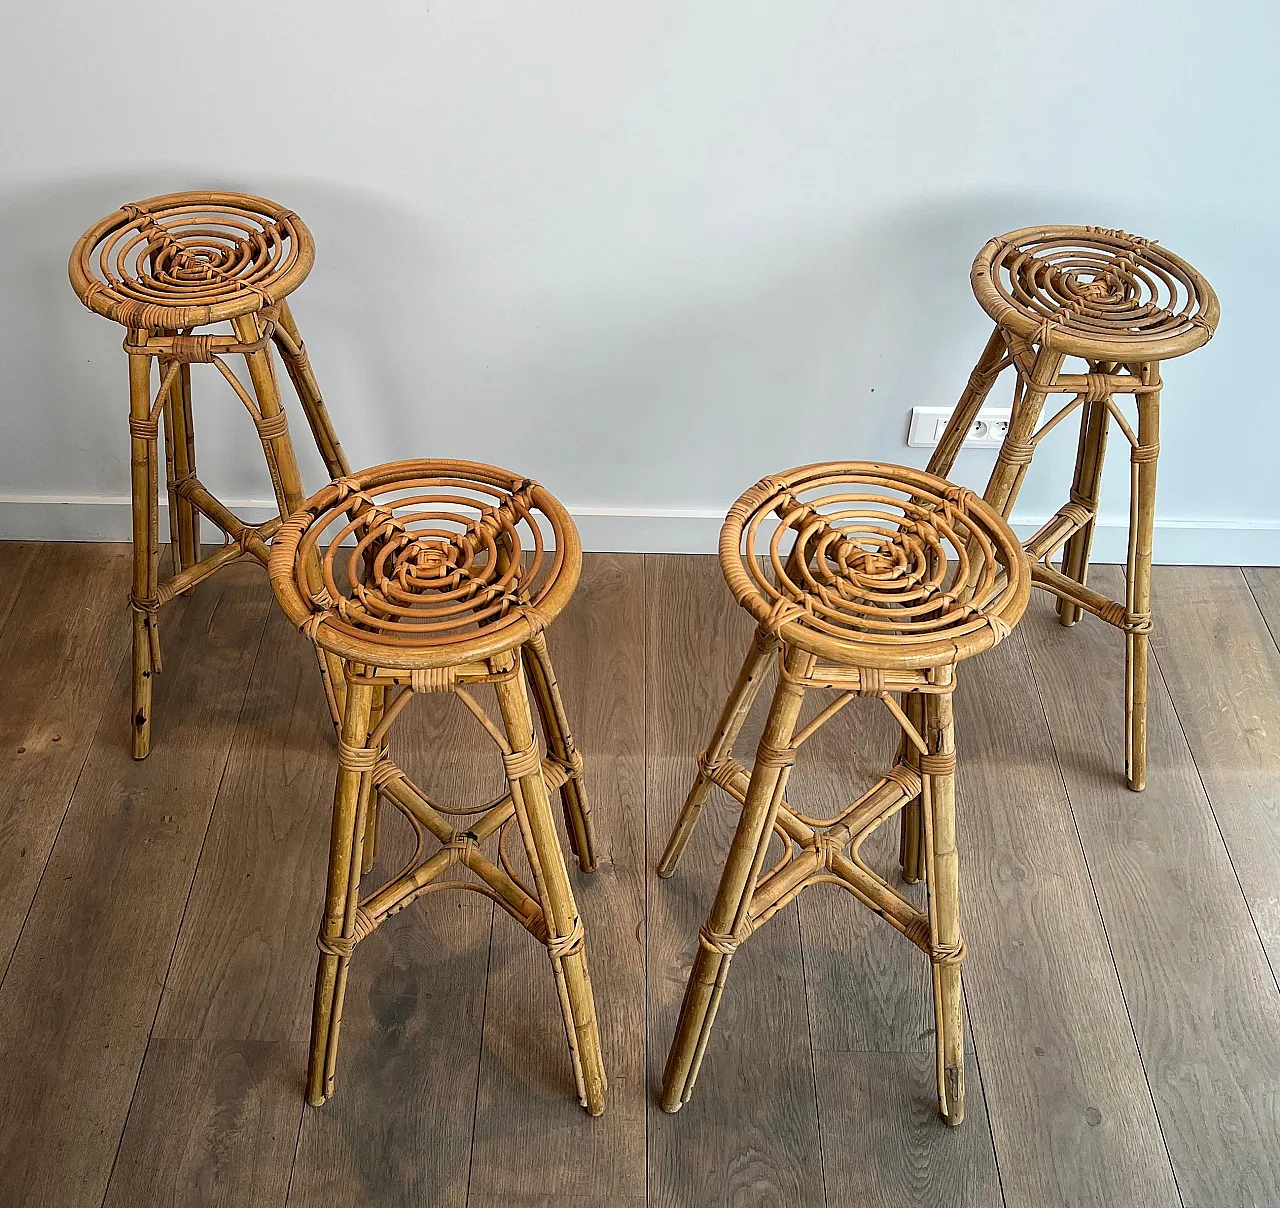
point(187, 259)
point(1086, 290)
point(428, 563)
point(874, 565)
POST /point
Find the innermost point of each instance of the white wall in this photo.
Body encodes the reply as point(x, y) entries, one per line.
point(645, 252)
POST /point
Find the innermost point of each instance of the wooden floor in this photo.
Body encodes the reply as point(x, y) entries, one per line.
point(157, 925)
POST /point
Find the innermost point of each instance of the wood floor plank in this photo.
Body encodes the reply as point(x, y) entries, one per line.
point(750, 1132)
point(398, 1127)
point(209, 1123)
point(869, 990)
point(58, 659)
point(870, 1004)
point(1222, 669)
point(245, 959)
point(82, 989)
point(884, 1144)
point(16, 558)
point(1264, 582)
point(1070, 1109)
point(1197, 985)
point(533, 1141)
point(237, 1000)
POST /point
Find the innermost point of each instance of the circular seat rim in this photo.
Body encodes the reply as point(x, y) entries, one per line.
point(104, 301)
point(1007, 315)
point(908, 654)
point(509, 633)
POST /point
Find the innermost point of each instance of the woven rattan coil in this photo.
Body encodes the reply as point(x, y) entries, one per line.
point(874, 565)
point(186, 259)
point(426, 563)
point(1096, 293)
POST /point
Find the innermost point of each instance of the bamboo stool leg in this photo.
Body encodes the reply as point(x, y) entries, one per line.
point(337, 939)
point(911, 852)
point(947, 948)
point(975, 394)
point(298, 365)
point(1095, 422)
point(286, 478)
point(373, 817)
point(1138, 579)
point(1015, 453)
point(560, 912)
point(144, 473)
point(735, 712)
point(555, 725)
point(727, 925)
point(180, 456)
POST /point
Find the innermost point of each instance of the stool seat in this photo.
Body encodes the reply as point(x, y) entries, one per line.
point(888, 567)
point(1095, 293)
point(426, 564)
point(187, 259)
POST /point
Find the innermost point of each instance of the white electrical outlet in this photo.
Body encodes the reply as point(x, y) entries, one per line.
point(929, 423)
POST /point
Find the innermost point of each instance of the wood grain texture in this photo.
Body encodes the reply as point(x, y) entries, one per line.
point(884, 1144)
point(239, 986)
point(1070, 1109)
point(58, 657)
point(213, 1122)
point(1197, 985)
point(1222, 669)
point(244, 963)
point(16, 558)
point(868, 989)
point(531, 1141)
point(1264, 582)
point(217, 1104)
point(81, 994)
point(750, 1133)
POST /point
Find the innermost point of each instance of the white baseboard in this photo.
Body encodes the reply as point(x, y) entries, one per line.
point(1182, 542)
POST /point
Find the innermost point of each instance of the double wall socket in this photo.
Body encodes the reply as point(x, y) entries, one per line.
point(929, 423)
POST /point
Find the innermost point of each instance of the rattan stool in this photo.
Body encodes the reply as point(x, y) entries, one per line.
point(440, 576)
point(1122, 305)
point(892, 577)
point(164, 268)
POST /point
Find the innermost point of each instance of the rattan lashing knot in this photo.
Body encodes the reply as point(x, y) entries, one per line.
point(1017, 452)
point(720, 942)
point(384, 771)
point(943, 764)
point(948, 954)
point(999, 626)
point(310, 627)
point(272, 427)
point(144, 429)
point(560, 946)
point(337, 945)
point(1140, 453)
point(519, 764)
point(433, 679)
point(357, 759)
point(1097, 387)
point(783, 610)
point(871, 681)
point(905, 778)
point(769, 756)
